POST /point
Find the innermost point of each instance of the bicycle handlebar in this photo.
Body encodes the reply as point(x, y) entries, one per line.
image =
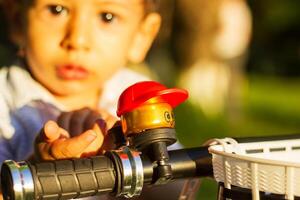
point(113, 172)
point(119, 172)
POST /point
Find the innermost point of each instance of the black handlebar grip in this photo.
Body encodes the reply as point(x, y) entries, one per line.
point(67, 179)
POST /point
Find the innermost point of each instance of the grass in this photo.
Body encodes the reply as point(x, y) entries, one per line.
point(271, 106)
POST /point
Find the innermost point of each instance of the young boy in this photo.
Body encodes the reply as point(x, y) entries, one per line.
point(71, 72)
point(75, 52)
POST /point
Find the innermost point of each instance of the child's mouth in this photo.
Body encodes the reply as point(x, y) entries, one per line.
point(71, 72)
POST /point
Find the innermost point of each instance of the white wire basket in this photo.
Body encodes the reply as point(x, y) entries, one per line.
point(271, 167)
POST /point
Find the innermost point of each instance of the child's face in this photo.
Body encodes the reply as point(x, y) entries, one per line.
point(76, 45)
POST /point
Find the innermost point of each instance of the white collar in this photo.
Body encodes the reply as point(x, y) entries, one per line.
point(23, 89)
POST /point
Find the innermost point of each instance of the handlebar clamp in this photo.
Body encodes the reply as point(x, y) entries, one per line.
point(132, 172)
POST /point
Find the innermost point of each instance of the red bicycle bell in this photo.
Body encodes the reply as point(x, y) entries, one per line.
point(148, 105)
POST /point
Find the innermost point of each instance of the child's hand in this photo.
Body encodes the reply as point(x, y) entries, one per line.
point(75, 134)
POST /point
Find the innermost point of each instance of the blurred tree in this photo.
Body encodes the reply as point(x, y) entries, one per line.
point(275, 49)
point(208, 42)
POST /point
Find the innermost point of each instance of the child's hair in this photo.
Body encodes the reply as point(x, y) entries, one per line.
point(151, 5)
point(11, 7)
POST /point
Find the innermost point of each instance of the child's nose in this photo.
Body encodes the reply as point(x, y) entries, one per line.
point(77, 34)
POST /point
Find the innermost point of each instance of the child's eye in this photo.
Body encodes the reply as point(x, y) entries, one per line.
point(57, 9)
point(107, 17)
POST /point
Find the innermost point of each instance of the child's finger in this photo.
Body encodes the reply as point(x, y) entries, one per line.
point(110, 121)
point(42, 153)
point(72, 147)
point(51, 132)
point(100, 126)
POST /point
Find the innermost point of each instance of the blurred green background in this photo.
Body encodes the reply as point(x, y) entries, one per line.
point(271, 94)
point(270, 90)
